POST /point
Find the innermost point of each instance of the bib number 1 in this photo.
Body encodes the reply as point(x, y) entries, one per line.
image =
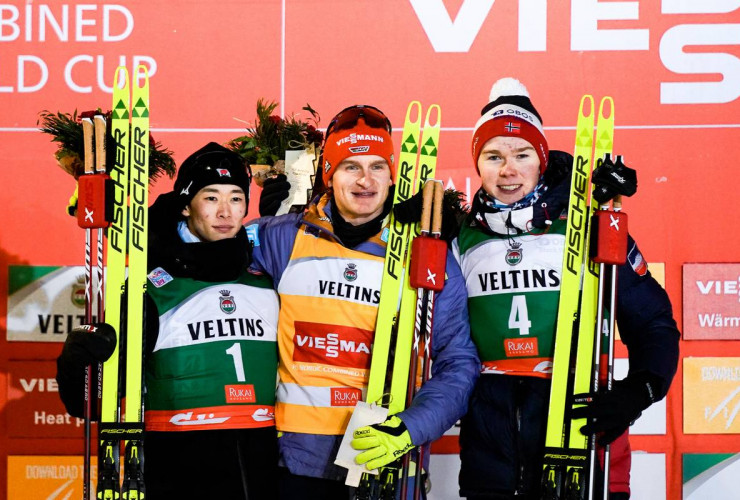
point(235, 351)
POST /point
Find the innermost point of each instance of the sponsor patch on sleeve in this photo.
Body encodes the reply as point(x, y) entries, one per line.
point(253, 234)
point(159, 277)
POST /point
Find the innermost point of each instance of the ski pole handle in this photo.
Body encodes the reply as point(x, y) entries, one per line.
point(87, 135)
point(439, 193)
point(426, 208)
point(100, 136)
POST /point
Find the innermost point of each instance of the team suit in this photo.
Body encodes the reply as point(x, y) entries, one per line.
point(329, 301)
point(210, 364)
point(511, 258)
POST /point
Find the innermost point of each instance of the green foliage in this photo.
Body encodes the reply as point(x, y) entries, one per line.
point(271, 136)
point(66, 130)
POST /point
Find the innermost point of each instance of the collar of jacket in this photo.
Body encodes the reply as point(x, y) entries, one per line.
point(211, 261)
point(317, 217)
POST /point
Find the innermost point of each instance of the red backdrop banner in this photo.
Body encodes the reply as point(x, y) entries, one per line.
point(672, 67)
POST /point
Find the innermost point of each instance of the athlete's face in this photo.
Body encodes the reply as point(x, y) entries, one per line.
point(509, 168)
point(360, 185)
point(216, 212)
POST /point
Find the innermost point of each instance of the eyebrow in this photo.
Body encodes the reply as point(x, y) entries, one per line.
point(214, 190)
point(358, 164)
point(516, 150)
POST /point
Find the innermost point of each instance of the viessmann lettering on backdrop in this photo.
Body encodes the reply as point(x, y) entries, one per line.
point(711, 301)
point(459, 35)
point(34, 409)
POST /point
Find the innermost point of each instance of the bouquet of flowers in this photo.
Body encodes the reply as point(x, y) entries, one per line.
point(66, 131)
point(271, 136)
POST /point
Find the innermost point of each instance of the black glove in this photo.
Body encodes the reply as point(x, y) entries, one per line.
point(274, 191)
point(89, 344)
point(85, 345)
point(409, 211)
point(614, 411)
point(611, 179)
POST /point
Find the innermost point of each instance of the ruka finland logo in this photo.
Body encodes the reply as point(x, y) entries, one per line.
point(227, 302)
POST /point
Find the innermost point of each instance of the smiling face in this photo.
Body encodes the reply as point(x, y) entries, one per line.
point(509, 168)
point(216, 212)
point(360, 184)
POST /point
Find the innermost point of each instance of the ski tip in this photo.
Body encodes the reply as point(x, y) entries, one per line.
point(120, 78)
point(587, 105)
point(435, 112)
point(414, 109)
point(606, 105)
point(141, 74)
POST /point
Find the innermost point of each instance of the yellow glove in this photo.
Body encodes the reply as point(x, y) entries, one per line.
point(383, 443)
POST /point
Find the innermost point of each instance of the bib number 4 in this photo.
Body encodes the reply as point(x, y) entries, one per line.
point(519, 315)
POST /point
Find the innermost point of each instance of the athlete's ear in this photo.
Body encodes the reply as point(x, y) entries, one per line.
point(186, 211)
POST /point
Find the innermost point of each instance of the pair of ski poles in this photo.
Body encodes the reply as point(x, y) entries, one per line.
point(91, 215)
point(427, 275)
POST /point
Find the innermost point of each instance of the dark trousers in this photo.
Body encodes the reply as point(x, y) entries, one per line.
point(294, 487)
point(223, 464)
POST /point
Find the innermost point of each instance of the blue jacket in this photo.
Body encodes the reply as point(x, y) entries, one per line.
point(442, 400)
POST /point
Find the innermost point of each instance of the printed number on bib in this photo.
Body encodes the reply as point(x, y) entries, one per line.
point(519, 317)
point(235, 351)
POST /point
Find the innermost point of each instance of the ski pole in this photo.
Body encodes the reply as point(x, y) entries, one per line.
point(427, 276)
point(91, 214)
point(609, 251)
point(87, 131)
point(612, 283)
point(426, 214)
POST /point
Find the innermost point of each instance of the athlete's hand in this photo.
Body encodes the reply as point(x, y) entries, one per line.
point(611, 413)
point(383, 443)
point(274, 191)
point(89, 344)
point(85, 345)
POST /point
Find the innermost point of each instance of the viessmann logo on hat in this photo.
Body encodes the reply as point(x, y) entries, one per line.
point(355, 137)
point(222, 172)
